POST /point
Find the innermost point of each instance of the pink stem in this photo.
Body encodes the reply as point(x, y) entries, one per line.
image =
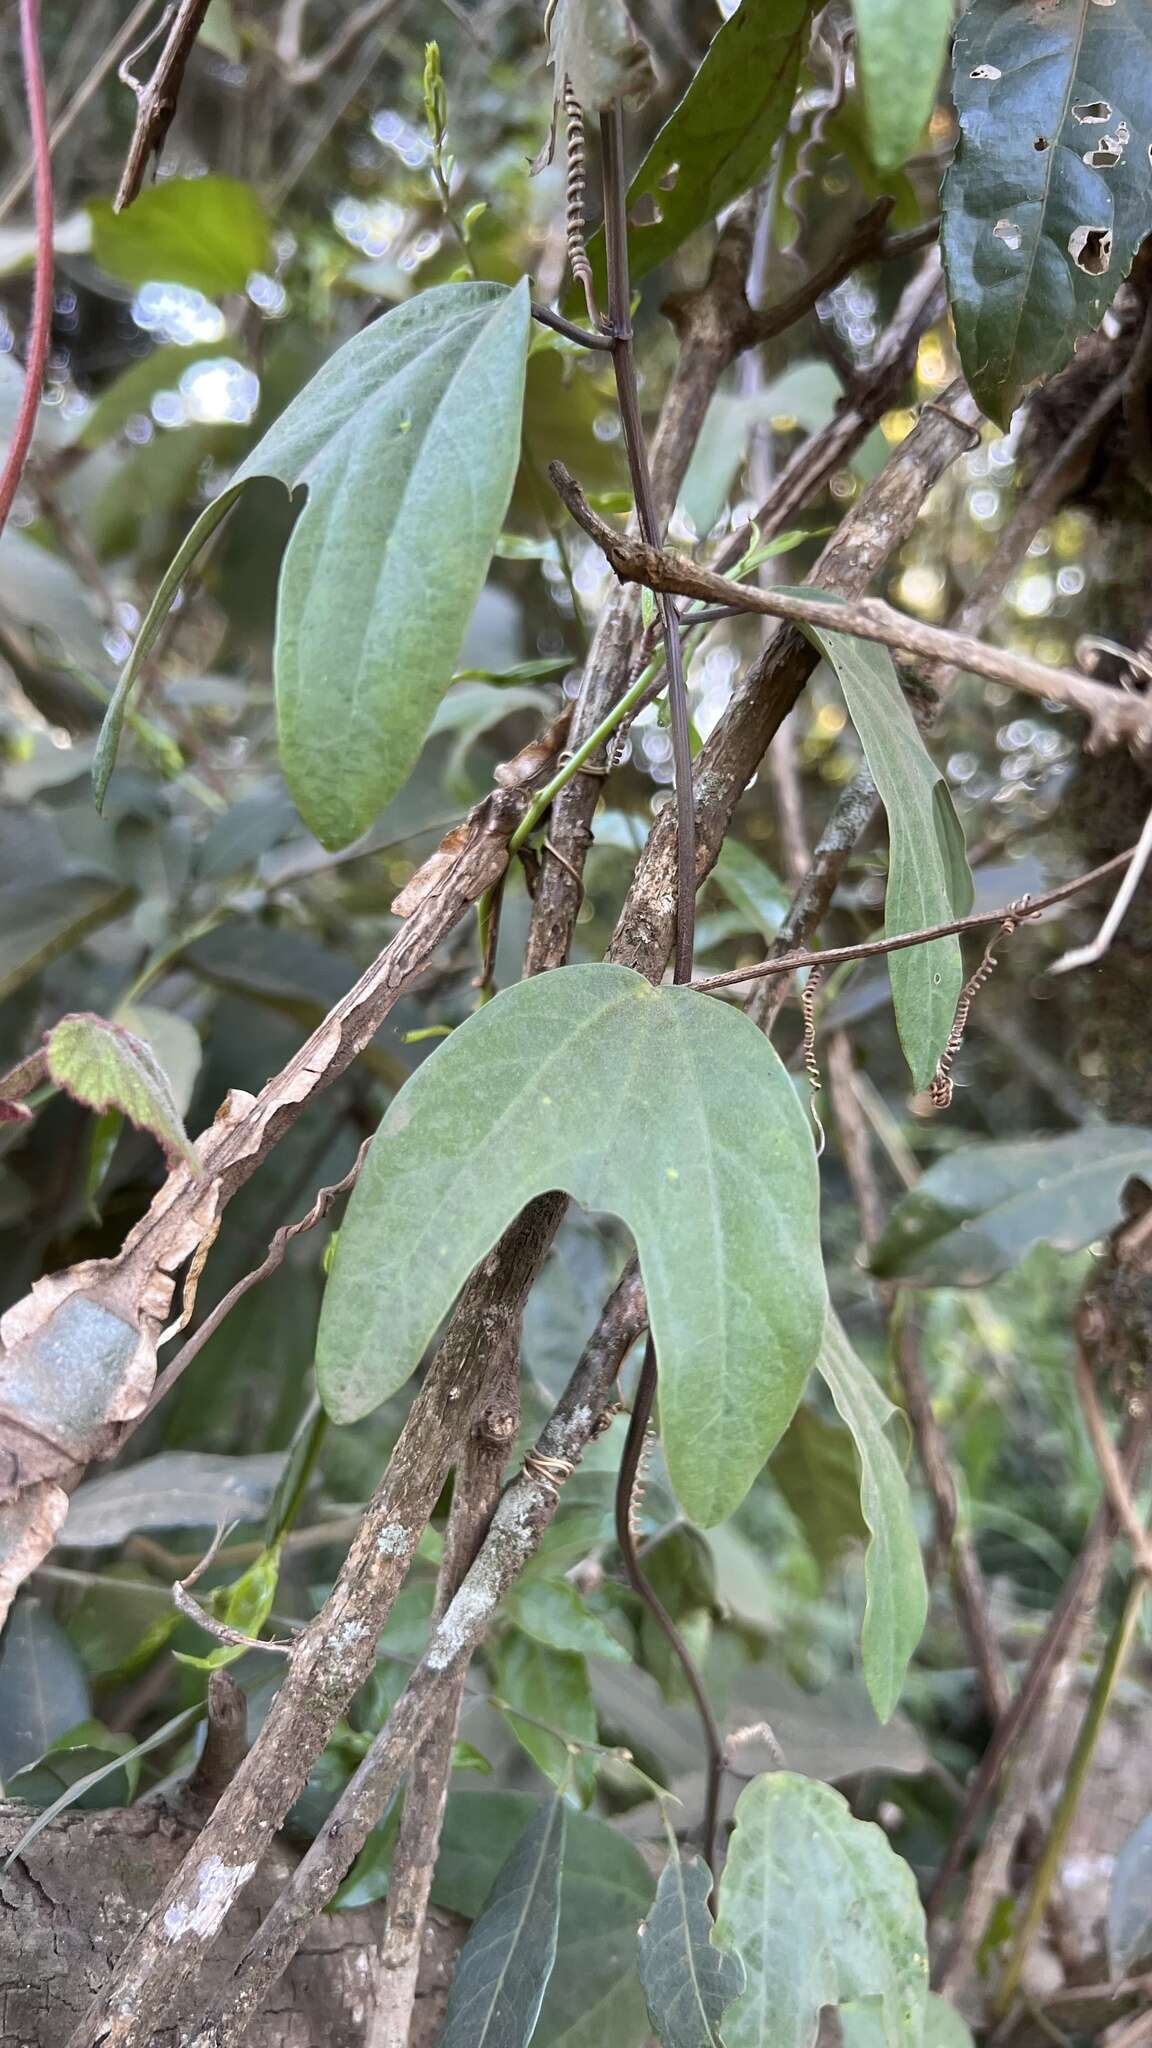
point(41, 327)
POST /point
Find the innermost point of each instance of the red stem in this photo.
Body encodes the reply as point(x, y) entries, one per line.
point(41, 328)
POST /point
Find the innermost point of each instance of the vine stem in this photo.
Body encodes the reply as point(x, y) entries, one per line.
point(1107, 1679)
point(41, 327)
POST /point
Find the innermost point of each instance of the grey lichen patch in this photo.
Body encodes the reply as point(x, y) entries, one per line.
point(217, 1885)
point(1091, 250)
point(1008, 232)
point(392, 1540)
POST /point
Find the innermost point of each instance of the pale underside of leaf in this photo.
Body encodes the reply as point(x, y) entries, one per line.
point(107, 1067)
point(820, 1910)
point(1050, 191)
point(651, 1104)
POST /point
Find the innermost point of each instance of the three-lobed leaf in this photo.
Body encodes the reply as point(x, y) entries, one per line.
point(1050, 192)
point(500, 1979)
point(107, 1067)
point(977, 1212)
point(901, 46)
point(407, 443)
point(896, 1592)
point(655, 1104)
point(687, 1980)
point(929, 881)
point(821, 1911)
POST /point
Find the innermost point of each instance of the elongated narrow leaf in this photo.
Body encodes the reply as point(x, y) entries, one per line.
point(174, 1490)
point(43, 1690)
point(655, 1104)
point(896, 1593)
point(407, 443)
point(902, 45)
point(821, 1911)
point(928, 876)
point(1050, 192)
point(979, 1211)
point(506, 1962)
point(720, 138)
point(107, 1067)
point(687, 1980)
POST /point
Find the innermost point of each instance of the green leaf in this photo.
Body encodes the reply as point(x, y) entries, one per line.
point(821, 1911)
point(244, 1605)
point(1050, 192)
point(717, 1181)
point(174, 1490)
point(500, 1979)
point(862, 2025)
point(208, 233)
point(751, 887)
point(70, 1760)
point(896, 1593)
point(174, 1042)
point(407, 441)
point(43, 1690)
point(553, 1613)
point(815, 1467)
point(594, 1999)
point(901, 47)
point(133, 391)
point(106, 1067)
point(720, 138)
point(979, 1211)
point(928, 878)
point(687, 1981)
point(41, 920)
point(72, 1795)
point(552, 1687)
point(1130, 1903)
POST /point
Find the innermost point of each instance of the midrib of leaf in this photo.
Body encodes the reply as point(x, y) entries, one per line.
point(682, 1902)
point(527, 1896)
point(1115, 1163)
point(1057, 143)
point(417, 443)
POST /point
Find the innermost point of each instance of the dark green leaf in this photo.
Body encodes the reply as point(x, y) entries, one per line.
point(979, 1211)
point(901, 46)
point(209, 233)
point(553, 1613)
point(751, 887)
point(821, 1911)
point(43, 1690)
point(40, 920)
point(367, 1881)
point(107, 1067)
point(136, 387)
point(1050, 192)
point(178, 1725)
point(815, 1467)
point(720, 138)
point(1130, 1903)
point(687, 1981)
point(717, 1181)
point(896, 1603)
point(551, 1686)
point(594, 1999)
point(407, 443)
point(70, 1760)
point(174, 1490)
point(928, 879)
point(503, 1970)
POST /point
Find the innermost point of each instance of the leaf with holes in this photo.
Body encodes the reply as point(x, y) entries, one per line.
point(687, 1980)
point(720, 138)
point(896, 1594)
point(980, 1210)
point(821, 1911)
point(901, 47)
point(658, 1105)
point(407, 442)
point(499, 1982)
point(929, 881)
point(1050, 192)
point(106, 1067)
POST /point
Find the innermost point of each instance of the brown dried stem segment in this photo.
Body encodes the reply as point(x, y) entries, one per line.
point(156, 102)
point(1113, 717)
point(476, 1490)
